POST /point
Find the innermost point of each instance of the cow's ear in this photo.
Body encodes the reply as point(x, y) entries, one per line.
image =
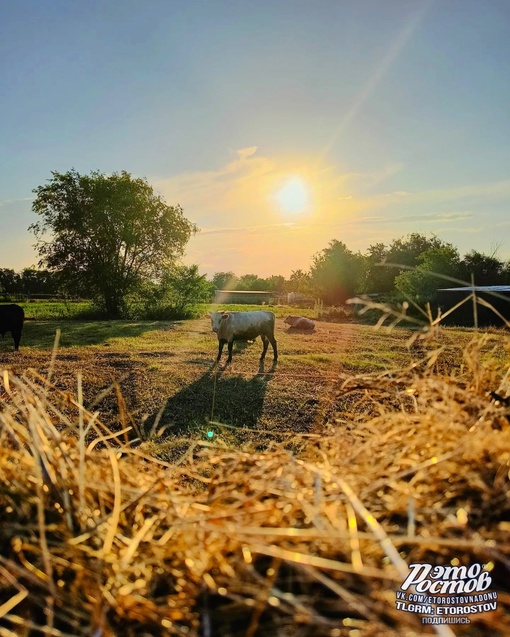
point(224, 316)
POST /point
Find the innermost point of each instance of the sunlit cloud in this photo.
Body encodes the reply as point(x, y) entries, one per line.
point(244, 229)
point(8, 202)
point(437, 217)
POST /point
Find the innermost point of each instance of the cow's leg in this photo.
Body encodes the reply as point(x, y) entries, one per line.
point(265, 342)
point(230, 346)
point(220, 349)
point(16, 335)
point(272, 340)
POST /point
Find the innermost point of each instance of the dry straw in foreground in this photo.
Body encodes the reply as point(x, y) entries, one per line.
point(100, 536)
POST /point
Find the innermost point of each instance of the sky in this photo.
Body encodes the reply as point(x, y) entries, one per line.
point(277, 125)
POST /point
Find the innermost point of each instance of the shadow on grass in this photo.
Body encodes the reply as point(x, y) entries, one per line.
point(216, 396)
point(41, 334)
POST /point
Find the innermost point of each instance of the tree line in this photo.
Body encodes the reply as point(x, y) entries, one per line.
point(29, 283)
point(414, 266)
point(112, 239)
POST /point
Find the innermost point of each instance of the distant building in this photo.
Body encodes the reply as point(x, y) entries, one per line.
point(300, 300)
point(498, 296)
point(248, 297)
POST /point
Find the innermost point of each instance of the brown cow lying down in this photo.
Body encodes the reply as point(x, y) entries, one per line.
point(300, 323)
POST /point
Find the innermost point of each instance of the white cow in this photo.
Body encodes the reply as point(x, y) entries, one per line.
point(243, 326)
point(300, 323)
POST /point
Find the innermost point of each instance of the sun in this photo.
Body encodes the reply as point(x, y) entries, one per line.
point(293, 197)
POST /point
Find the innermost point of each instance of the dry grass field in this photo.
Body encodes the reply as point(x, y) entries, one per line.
point(166, 371)
point(147, 492)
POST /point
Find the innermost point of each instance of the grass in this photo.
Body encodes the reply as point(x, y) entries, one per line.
point(165, 372)
point(85, 310)
point(57, 310)
point(40, 334)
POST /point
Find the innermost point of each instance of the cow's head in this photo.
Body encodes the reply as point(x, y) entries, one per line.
point(216, 319)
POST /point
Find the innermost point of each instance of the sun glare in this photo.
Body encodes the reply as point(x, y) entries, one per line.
point(293, 197)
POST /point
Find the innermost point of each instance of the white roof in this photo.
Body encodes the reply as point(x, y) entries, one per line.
point(243, 291)
point(478, 288)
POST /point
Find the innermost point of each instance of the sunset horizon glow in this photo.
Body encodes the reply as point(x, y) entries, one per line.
point(287, 126)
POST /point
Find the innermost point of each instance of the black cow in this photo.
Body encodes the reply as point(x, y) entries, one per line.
point(11, 320)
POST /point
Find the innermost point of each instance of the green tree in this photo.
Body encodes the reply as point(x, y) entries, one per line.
point(276, 283)
point(405, 251)
point(251, 282)
point(34, 282)
point(224, 281)
point(378, 277)
point(109, 232)
point(337, 273)
point(485, 269)
point(422, 283)
point(176, 295)
point(408, 249)
point(300, 281)
point(10, 281)
point(187, 287)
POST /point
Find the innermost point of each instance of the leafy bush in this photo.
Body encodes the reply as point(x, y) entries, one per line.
point(176, 297)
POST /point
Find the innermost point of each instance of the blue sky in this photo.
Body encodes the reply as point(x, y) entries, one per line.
point(394, 116)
